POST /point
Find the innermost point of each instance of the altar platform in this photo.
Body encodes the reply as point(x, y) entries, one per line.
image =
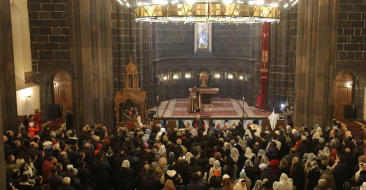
point(218, 108)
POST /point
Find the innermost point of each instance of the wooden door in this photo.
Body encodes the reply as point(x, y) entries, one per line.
point(343, 93)
point(62, 93)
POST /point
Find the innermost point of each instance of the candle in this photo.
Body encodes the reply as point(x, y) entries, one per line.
point(243, 98)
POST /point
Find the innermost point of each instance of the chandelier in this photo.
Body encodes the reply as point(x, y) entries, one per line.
point(209, 11)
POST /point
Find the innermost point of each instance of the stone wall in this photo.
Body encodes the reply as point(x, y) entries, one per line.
point(351, 47)
point(49, 36)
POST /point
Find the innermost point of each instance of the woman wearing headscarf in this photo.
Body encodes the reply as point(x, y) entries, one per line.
point(313, 175)
point(210, 164)
point(159, 171)
point(283, 168)
point(226, 182)
point(297, 174)
point(30, 170)
point(162, 151)
point(169, 185)
point(234, 154)
point(188, 157)
point(250, 171)
point(243, 176)
point(285, 183)
point(230, 169)
point(125, 177)
point(257, 160)
point(240, 185)
point(332, 157)
point(216, 165)
point(249, 154)
point(258, 185)
point(304, 158)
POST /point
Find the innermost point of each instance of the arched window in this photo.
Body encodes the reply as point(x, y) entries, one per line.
point(176, 74)
point(165, 75)
point(188, 73)
point(217, 73)
point(230, 75)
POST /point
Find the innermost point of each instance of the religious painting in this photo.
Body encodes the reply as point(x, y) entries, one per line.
point(233, 123)
point(187, 123)
point(202, 36)
point(247, 123)
point(219, 123)
point(28, 77)
point(207, 122)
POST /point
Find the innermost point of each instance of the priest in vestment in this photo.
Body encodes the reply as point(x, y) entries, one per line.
point(273, 119)
point(194, 101)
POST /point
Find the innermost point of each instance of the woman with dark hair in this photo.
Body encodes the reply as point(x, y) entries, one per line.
point(230, 169)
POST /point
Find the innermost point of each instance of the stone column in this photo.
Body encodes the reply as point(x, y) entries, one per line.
point(7, 82)
point(91, 60)
point(316, 53)
point(7, 71)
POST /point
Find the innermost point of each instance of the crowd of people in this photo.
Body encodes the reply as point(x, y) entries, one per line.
point(192, 158)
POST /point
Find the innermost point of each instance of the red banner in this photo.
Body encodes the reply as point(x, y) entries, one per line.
point(264, 69)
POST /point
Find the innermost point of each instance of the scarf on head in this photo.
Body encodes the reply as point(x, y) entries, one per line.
point(238, 185)
point(162, 150)
point(125, 164)
point(234, 154)
point(248, 163)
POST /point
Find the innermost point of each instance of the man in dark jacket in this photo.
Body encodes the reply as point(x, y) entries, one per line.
point(66, 184)
point(194, 184)
point(149, 182)
point(54, 180)
point(192, 167)
point(101, 170)
point(84, 174)
point(180, 168)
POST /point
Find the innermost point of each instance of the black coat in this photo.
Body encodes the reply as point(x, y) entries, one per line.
point(101, 170)
point(339, 174)
point(66, 187)
point(180, 168)
point(125, 179)
point(85, 177)
point(281, 170)
point(38, 164)
point(195, 186)
point(313, 178)
point(55, 181)
point(149, 182)
point(69, 121)
point(298, 176)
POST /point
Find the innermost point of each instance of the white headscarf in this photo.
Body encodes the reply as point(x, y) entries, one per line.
point(363, 186)
point(194, 132)
point(258, 132)
point(211, 161)
point(238, 186)
point(242, 144)
point(264, 160)
point(261, 153)
point(29, 169)
point(216, 164)
point(311, 157)
point(247, 132)
point(158, 136)
point(316, 135)
point(258, 185)
point(248, 153)
point(234, 154)
point(188, 157)
point(162, 130)
point(288, 129)
point(162, 150)
point(326, 151)
point(248, 163)
point(285, 183)
point(125, 164)
point(225, 146)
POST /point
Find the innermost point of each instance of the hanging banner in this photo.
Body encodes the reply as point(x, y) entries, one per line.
point(264, 72)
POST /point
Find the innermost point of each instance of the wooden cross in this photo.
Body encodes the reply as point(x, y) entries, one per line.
point(204, 77)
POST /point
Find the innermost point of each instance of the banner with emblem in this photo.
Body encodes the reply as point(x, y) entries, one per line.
point(264, 67)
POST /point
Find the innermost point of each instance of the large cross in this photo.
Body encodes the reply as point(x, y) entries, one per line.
point(204, 77)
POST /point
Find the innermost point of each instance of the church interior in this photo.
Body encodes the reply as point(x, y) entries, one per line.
point(98, 58)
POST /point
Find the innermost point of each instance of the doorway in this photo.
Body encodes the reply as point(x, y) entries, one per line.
point(343, 93)
point(62, 93)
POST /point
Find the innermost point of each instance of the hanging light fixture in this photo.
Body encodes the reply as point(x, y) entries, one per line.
point(210, 11)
